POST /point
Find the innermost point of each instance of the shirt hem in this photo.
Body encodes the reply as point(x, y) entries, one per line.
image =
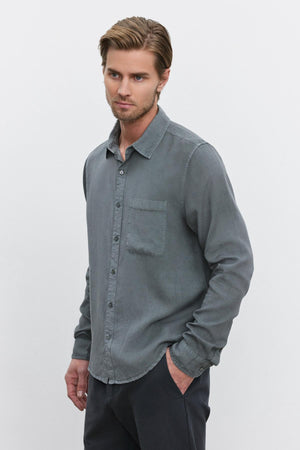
point(108, 380)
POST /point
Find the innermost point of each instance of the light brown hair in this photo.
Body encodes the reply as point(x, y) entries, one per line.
point(139, 33)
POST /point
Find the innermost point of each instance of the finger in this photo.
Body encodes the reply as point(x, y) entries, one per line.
point(82, 384)
point(80, 403)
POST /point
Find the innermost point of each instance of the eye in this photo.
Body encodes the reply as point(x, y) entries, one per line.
point(138, 77)
point(113, 74)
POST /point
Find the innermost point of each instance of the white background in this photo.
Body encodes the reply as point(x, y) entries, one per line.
point(234, 81)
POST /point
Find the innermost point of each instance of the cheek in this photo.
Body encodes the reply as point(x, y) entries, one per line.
point(110, 88)
point(146, 90)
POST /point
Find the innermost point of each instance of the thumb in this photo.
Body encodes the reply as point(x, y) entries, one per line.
point(82, 384)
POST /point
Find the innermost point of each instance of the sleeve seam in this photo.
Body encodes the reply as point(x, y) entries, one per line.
point(185, 174)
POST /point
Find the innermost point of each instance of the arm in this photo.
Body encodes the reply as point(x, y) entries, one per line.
point(82, 333)
point(212, 213)
point(76, 376)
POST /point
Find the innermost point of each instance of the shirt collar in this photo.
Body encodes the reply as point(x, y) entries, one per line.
point(149, 140)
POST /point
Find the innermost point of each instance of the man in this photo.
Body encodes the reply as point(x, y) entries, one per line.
point(169, 261)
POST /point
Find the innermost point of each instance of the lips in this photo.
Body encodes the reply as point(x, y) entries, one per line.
point(124, 104)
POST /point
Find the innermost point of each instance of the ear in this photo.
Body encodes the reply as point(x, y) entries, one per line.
point(164, 79)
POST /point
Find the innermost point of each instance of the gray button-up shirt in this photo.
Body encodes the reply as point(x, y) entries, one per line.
point(169, 254)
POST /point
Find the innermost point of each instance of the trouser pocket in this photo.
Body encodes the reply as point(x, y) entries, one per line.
point(172, 383)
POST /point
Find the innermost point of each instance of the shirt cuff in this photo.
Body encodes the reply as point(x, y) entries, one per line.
point(82, 348)
point(187, 361)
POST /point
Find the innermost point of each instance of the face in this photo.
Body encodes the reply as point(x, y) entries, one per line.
point(131, 83)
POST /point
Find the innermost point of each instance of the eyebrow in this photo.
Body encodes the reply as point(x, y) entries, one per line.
point(140, 74)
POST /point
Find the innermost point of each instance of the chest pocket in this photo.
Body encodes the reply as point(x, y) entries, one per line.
point(147, 222)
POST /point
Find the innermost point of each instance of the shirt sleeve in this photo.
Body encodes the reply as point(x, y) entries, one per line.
point(82, 332)
point(212, 213)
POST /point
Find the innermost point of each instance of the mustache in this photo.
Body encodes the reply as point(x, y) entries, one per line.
point(122, 100)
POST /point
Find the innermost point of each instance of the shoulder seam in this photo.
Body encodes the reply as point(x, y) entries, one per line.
point(187, 138)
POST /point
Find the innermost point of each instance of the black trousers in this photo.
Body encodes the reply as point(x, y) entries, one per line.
point(147, 414)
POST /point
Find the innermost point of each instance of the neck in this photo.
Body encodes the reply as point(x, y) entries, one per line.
point(132, 131)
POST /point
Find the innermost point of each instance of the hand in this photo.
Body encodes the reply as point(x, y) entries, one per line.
point(181, 379)
point(77, 382)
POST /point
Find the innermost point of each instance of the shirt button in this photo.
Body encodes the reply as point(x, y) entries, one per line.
point(110, 304)
point(116, 238)
point(118, 204)
point(121, 172)
point(113, 271)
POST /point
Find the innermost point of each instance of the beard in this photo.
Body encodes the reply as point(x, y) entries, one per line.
point(138, 111)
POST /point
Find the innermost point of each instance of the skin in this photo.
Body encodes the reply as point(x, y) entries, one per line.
point(76, 379)
point(131, 86)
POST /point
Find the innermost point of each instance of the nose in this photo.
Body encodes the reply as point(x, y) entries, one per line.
point(123, 89)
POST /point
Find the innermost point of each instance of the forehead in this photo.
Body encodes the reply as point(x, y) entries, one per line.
point(131, 61)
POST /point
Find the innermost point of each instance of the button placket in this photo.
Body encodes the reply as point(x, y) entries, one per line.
point(115, 247)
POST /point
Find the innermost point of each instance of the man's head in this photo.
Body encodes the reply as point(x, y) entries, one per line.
point(136, 59)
